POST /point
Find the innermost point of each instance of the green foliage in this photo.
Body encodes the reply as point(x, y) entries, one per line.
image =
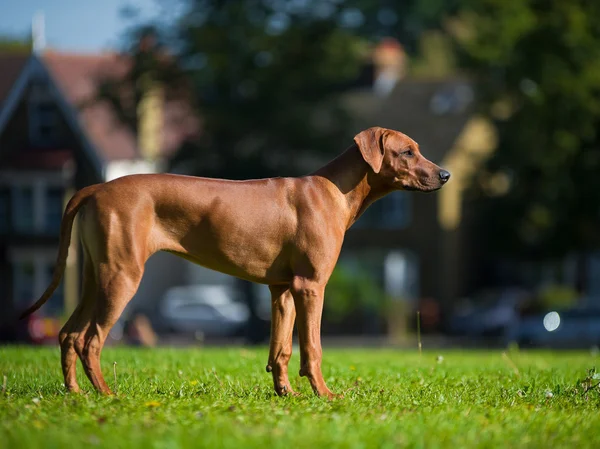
point(436, 58)
point(214, 397)
point(557, 297)
point(539, 66)
point(12, 44)
point(407, 20)
point(348, 291)
point(266, 78)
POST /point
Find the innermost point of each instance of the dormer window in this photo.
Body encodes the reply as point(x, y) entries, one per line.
point(391, 212)
point(44, 124)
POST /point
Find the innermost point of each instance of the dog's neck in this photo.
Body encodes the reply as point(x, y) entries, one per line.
point(352, 176)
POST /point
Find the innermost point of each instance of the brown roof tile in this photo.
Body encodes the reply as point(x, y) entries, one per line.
point(11, 65)
point(78, 77)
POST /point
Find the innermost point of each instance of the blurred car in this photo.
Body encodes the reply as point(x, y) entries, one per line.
point(574, 328)
point(488, 316)
point(35, 329)
point(43, 330)
point(211, 310)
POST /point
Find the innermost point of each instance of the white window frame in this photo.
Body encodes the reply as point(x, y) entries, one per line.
point(41, 258)
point(40, 182)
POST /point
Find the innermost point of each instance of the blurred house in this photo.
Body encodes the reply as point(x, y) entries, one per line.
point(56, 138)
point(418, 244)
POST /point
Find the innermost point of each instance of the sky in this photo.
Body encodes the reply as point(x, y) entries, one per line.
point(74, 25)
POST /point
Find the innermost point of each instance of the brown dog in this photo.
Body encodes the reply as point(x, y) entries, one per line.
point(284, 232)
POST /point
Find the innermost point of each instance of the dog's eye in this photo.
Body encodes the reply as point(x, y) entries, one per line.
point(408, 153)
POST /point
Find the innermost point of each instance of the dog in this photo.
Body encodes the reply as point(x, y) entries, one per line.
point(283, 232)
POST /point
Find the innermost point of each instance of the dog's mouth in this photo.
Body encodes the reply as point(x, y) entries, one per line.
point(410, 188)
point(425, 188)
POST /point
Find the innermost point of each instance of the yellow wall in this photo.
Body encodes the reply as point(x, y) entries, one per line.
point(476, 142)
point(150, 119)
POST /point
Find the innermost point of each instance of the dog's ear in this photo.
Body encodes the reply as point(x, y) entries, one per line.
point(370, 144)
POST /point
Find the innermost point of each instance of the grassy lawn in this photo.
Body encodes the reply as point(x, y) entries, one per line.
point(198, 397)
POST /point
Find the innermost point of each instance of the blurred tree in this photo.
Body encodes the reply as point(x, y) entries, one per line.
point(352, 290)
point(266, 77)
point(266, 74)
point(149, 62)
point(539, 66)
point(12, 44)
point(409, 21)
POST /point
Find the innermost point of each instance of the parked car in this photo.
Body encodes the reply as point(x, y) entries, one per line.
point(35, 329)
point(211, 310)
point(488, 315)
point(574, 328)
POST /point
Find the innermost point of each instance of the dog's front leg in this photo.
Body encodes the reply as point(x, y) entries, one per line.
point(308, 297)
point(283, 314)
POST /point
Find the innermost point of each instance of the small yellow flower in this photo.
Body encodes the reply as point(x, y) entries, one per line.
point(193, 382)
point(152, 404)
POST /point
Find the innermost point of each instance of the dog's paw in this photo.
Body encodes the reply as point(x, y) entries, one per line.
point(286, 390)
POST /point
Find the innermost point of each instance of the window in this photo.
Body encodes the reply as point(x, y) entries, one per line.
point(390, 212)
point(395, 210)
point(32, 208)
point(32, 273)
point(4, 210)
point(54, 210)
point(24, 283)
point(23, 211)
point(44, 117)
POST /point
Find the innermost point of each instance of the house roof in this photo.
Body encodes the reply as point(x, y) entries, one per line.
point(78, 76)
point(11, 65)
point(433, 113)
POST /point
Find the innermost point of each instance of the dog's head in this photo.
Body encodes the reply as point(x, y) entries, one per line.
point(396, 160)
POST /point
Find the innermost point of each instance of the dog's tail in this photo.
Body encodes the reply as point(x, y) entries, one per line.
point(63, 246)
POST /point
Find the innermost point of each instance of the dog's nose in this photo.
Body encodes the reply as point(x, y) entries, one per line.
point(444, 175)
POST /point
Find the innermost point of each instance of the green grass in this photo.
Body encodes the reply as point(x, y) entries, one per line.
point(175, 398)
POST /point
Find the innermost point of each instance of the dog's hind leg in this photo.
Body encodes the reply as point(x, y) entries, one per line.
point(116, 288)
point(78, 322)
point(118, 242)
